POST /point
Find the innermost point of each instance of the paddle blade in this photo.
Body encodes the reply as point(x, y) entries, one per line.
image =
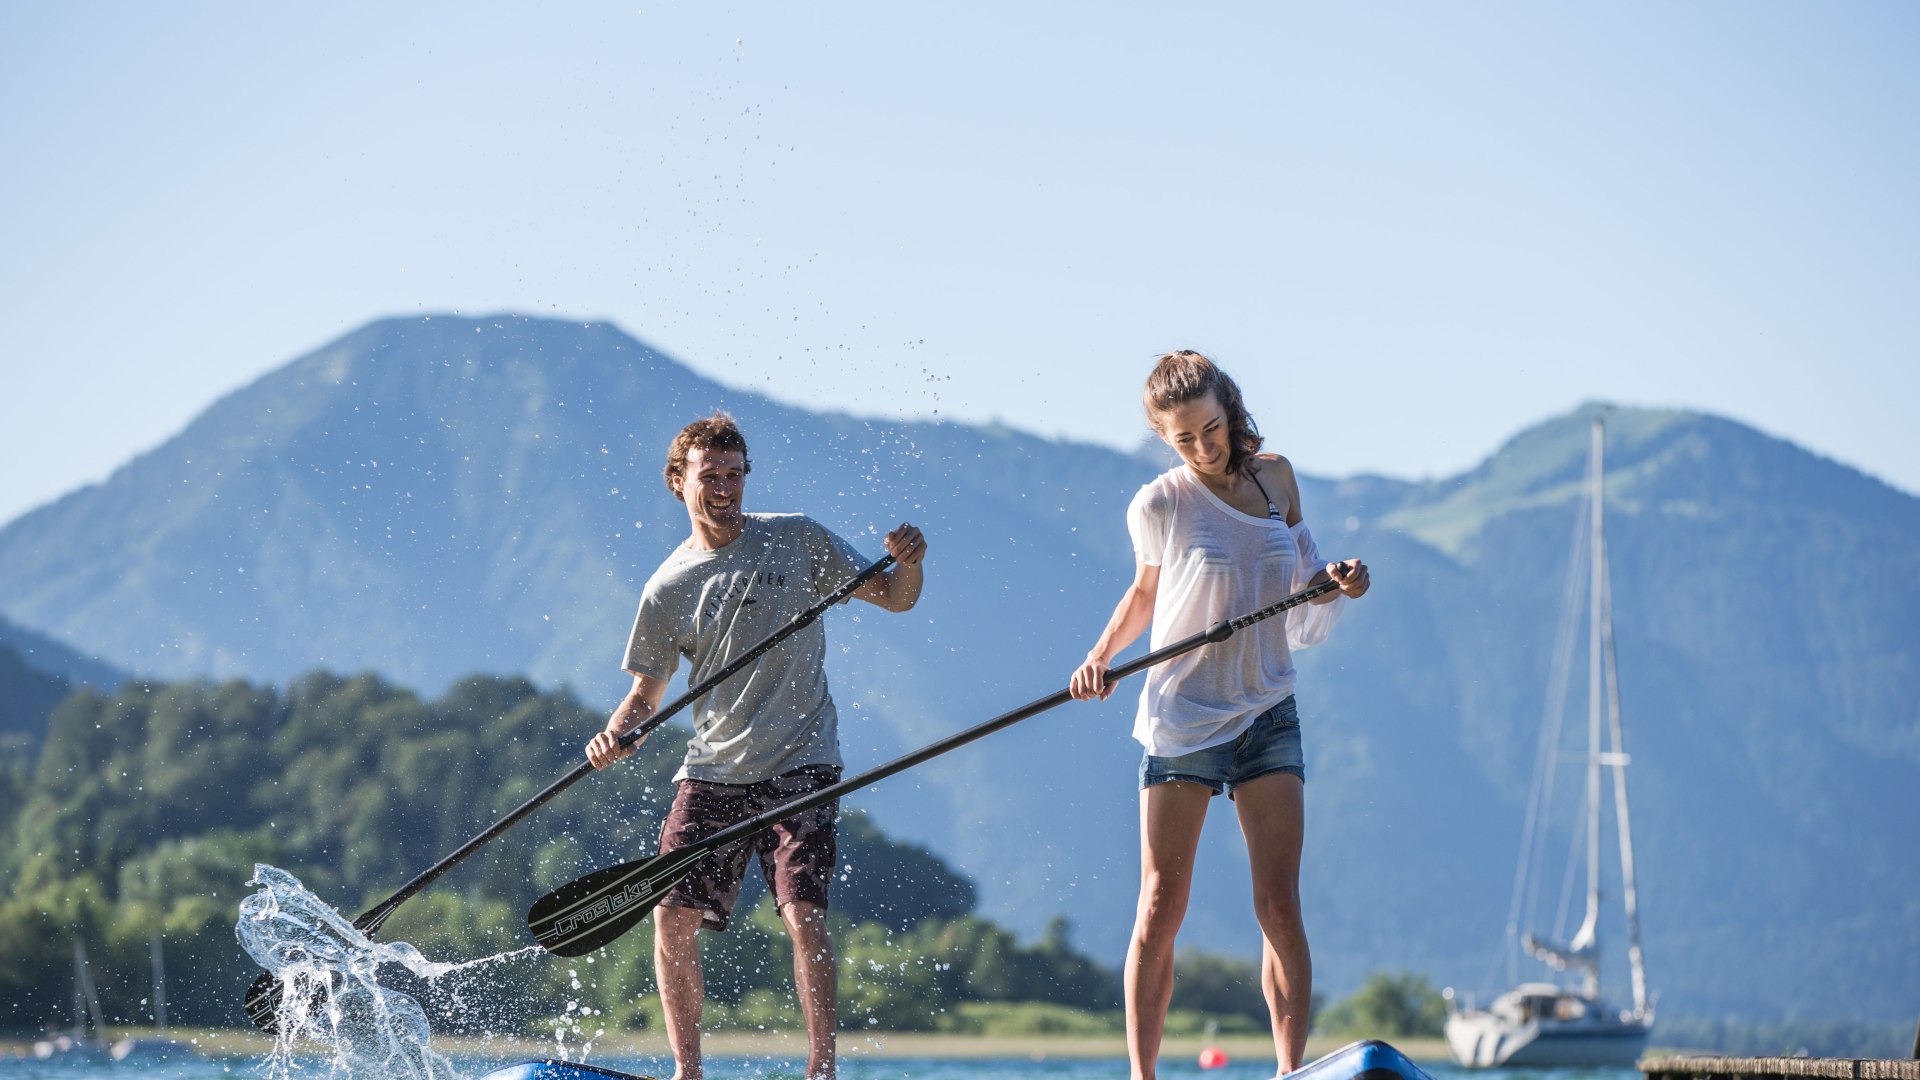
point(266, 993)
point(263, 1003)
point(582, 915)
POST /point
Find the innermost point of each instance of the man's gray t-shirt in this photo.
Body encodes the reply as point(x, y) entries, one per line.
point(710, 606)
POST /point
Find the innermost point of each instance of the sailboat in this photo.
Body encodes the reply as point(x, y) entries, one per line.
point(1547, 1024)
point(80, 1043)
point(158, 1046)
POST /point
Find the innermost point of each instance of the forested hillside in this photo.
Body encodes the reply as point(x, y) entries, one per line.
point(147, 810)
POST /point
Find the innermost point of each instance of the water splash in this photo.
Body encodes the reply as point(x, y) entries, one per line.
point(330, 994)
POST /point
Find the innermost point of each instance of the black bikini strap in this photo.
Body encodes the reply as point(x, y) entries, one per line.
point(1272, 510)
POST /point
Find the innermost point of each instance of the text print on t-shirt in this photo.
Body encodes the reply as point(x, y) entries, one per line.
point(739, 584)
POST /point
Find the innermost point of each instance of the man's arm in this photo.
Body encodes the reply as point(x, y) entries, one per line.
point(641, 702)
point(898, 589)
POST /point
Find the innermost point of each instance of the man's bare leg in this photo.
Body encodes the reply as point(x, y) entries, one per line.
point(683, 994)
point(817, 981)
point(1170, 818)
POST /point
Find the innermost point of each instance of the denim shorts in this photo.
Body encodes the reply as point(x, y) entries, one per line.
point(1270, 744)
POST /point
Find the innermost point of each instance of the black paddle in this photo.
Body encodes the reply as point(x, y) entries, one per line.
point(585, 914)
point(263, 996)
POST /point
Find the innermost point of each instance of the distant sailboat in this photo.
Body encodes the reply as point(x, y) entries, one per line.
point(158, 1046)
point(1544, 1024)
point(87, 1039)
point(81, 1043)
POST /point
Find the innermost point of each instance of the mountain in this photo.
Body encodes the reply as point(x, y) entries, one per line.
point(49, 657)
point(433, 497)
point(35, 673)
point(27, 697)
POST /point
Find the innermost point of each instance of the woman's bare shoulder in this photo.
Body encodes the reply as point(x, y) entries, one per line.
point(1273, 465)
point(1277, 471)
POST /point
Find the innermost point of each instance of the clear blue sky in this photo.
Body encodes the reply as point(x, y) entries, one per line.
point(1409, 229)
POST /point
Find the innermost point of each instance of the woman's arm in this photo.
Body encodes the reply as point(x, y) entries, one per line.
point(1131, 617)
point(1351, 575)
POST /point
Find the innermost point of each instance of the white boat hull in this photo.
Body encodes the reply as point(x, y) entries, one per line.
point(1485, 1041)
point(70, 1048)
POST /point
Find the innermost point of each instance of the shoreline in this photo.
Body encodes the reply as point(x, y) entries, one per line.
point(241, 1043)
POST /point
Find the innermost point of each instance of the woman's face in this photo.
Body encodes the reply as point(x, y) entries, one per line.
point(1197, 431)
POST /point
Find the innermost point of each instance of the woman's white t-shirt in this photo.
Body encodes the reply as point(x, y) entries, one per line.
point(1217, 563)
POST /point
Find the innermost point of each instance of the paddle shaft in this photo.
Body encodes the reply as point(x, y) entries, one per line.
point(589, 912)
point(1219, 631)
point(371, 921)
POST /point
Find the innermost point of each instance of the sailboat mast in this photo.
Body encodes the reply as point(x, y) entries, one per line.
point(1618, 759)
point(79, 993)
point(159, 985)
point(83, 986)
point(1591, 930)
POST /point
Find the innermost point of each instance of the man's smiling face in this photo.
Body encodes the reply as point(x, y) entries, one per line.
point(713, 487)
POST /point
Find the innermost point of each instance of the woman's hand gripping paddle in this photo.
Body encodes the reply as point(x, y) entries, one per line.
point(585, 914)
point(262, 1002)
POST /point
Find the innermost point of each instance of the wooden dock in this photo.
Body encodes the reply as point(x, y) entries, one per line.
point(1690, 1067)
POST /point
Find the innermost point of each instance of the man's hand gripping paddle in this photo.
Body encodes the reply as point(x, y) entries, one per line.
point(583, 915)
point(263, 996)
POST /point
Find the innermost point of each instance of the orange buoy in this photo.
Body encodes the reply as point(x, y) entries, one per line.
point(1213, 1058)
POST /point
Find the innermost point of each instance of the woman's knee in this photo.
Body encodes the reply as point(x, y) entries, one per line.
point(1161, 912)
point(1278, 909)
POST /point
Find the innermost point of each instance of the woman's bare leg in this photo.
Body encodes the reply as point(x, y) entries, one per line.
point(1273, 820)
point(1170, 818)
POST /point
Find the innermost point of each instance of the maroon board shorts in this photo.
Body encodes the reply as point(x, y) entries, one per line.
point(797, 855)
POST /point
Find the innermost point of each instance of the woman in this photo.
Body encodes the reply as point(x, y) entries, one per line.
point(1218, 536)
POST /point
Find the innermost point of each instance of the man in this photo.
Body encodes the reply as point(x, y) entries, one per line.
point(764, 737)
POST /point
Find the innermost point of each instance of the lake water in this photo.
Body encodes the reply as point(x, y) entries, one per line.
point(290, 931)
point(737, 1068)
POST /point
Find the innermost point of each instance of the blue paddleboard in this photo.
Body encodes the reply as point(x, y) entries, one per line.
point(559, 1070)
point(1368, 1060)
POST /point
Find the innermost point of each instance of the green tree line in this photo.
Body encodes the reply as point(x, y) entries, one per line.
point(141, 814)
